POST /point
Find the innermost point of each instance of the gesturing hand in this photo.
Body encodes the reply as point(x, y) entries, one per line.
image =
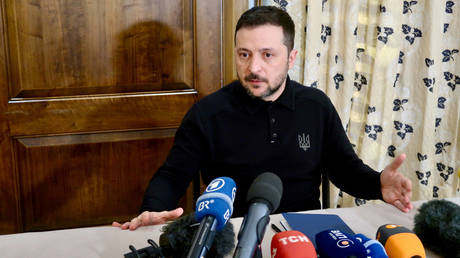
point(396, 188)
point(148, 218)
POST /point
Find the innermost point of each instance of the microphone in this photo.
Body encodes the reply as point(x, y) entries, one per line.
point(292, 244)
point(437, 224)
point(373, 247)
point(213, 209)
point(400, 241)
point(264, 197)
point(333, 243)
point(176, 240)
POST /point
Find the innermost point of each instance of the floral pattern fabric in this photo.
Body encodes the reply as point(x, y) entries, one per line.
point(392, 70)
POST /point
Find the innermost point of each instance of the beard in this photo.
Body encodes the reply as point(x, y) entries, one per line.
point(271, 88)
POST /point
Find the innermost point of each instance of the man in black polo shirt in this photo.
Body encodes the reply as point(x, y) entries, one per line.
point(266, 122)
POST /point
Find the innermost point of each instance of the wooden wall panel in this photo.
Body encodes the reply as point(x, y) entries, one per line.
point(207, 32)
point(79, 47)
point(9, 203)
point(232, 12)
point(91, 93)
point(10, 215)
point(99, 113)
point(91, 177)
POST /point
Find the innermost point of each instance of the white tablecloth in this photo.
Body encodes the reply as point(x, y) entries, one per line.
point(108, 241)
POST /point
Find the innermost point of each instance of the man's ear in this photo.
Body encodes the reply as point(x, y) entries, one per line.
point(291, 58)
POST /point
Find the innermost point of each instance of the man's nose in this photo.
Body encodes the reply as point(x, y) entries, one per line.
point(255, 65)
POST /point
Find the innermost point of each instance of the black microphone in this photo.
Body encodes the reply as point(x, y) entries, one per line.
point(213, 209)
point(437, 224)
point(176, 239)
point(263, 197)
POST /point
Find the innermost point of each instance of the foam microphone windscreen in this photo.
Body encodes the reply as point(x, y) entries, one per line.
point(400, 242)
point(333, 243)
point(177, 236)
point(437, 224)
point(266, 188)
point(292, 244)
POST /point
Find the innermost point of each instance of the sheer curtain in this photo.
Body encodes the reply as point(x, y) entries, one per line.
point(392, 70)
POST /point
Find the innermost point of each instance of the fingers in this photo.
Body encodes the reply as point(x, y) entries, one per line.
point(398, 190)
point(174, 214)
point(125, 225)
point(131, 225)
point(405, 188)
point(401, 206)
point(122, 226)
point(147, 218)
point(406, 185)
point(402, 201)
point(142, 220)
point(397, 162)
point(405, 204)
point(165, 216)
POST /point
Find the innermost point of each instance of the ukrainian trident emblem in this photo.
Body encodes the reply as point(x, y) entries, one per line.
point(304, 141)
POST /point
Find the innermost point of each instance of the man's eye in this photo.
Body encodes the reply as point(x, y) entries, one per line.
point(244, 55)
point(268, 55)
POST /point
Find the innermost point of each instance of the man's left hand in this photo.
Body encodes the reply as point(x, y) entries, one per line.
point(396, 188)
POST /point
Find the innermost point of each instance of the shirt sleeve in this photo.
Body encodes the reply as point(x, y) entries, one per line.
point(171, 180)
point(345, 169)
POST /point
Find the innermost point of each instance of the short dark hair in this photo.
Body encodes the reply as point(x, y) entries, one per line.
point(261, 15)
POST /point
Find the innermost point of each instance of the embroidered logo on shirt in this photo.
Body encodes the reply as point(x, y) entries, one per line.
point(304, 141)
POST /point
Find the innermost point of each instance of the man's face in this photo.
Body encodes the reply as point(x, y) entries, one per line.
point(262, 60)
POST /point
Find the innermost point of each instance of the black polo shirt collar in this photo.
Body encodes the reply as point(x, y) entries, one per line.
point(252, 105)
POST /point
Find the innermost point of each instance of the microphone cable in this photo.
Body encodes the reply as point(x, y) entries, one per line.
point(152, 251)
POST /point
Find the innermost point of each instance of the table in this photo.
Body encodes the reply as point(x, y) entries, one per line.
point(108, 241)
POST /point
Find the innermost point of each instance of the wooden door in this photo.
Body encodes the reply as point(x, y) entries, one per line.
point(91, 94)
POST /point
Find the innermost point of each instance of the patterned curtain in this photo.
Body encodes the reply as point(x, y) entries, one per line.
point(392, 70)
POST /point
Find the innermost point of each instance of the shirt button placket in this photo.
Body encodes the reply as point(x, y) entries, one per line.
point(274, 137)
point(273, 134)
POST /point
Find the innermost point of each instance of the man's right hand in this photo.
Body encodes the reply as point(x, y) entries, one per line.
point(148, 218)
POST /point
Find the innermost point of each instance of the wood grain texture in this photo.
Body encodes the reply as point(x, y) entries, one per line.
point(91, 93)
point(90, 177)
point(98, 113)
point(98, 46)
point(232, 12)
point(209, 46)
point(10, 216)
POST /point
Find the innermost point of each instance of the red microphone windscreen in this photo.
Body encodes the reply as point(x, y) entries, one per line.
point(292, 244)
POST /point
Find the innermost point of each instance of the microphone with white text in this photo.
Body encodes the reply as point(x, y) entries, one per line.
point(373, 247)
point(333, 243)
point(292, 244)
point(264, 197)
point(213, 209)
point(400, 242)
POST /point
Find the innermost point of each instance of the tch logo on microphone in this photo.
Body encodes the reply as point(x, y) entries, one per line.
point(294, 239)
point(292, 244)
